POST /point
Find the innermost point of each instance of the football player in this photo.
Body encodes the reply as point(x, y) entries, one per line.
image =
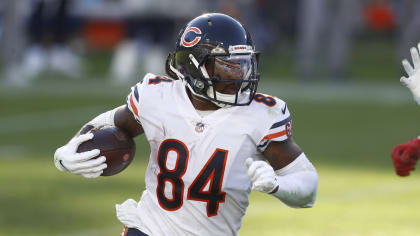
point(212, 137)
point(405, 155)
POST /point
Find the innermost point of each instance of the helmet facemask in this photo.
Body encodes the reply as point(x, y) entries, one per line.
point(224, 78)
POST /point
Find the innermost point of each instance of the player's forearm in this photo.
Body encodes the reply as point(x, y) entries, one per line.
point(297, 183)
point(298, 190)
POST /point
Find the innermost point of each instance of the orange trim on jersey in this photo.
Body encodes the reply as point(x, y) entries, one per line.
point(275, 135)
point(133, 106)
point(125, 231)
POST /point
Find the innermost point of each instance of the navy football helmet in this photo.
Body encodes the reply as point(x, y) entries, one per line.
point(216, 58)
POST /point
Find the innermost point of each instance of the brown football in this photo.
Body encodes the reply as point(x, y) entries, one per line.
point(118, 148)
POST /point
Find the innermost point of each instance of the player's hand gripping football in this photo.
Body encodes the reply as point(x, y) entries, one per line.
point(405, 156)
point(262, 176)
point(413, 80)
point(66, 158)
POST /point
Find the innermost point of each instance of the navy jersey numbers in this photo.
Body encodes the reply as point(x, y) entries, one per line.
point(212, 173)
point(267, 100)
point(174, 176)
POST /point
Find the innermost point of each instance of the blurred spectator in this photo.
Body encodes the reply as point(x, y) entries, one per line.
point(146, 44)
point(269, 21)
point(12, 39)
point(379, 15)
point(408, 22)
point(147, 28)
point(325, 28)
point(50, 28)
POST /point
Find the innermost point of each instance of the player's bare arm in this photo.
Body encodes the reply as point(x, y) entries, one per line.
point(280, 154)
point(125, 120)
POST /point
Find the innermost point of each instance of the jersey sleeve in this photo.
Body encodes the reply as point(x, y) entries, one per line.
point(146, 95)
point(134, 97)
point(280, 128)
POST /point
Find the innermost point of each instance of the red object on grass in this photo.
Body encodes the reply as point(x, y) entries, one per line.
point(405, 156)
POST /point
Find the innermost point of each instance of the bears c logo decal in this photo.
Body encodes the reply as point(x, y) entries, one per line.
point(197, 31)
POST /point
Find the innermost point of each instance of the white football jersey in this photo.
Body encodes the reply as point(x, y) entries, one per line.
point(196, 179)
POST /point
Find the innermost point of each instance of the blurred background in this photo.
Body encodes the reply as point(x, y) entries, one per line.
point(335, 62)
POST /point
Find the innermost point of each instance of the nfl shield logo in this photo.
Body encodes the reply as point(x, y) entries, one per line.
point(199, 127)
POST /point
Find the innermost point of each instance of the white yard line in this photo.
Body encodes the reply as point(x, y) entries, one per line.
point(13, 152)
point(350, 92)
point(48, 120)
point(65, 89)
point(347, 93)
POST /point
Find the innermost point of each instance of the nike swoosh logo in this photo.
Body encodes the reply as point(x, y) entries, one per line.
point(283, 110)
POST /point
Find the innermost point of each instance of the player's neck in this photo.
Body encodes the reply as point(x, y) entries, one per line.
point(201, 103)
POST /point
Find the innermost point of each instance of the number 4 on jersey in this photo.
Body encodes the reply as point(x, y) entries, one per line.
point(211, 175)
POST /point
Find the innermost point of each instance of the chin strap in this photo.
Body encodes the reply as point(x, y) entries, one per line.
point(221, 96)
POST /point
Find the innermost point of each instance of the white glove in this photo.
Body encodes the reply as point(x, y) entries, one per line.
point(262, 176)
point(413, 80)
point(127, 213)
point(66, 158)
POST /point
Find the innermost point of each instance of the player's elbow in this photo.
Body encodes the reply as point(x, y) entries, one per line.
point(303, 202)
point(309, 190)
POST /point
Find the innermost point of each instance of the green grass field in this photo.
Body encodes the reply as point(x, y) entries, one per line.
point(347, 130)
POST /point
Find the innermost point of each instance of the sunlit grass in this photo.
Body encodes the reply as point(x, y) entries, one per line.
point(39, 200)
